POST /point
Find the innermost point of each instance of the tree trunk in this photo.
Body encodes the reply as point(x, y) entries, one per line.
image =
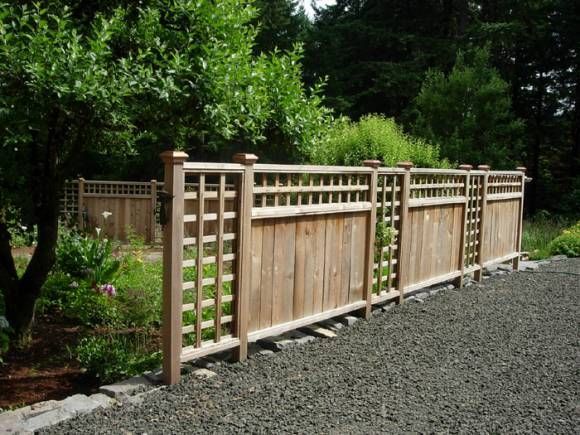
point(20, 295)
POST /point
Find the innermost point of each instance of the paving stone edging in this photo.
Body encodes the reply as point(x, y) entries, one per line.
point(134, 390)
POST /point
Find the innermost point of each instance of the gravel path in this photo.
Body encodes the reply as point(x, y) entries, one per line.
point(502, 357)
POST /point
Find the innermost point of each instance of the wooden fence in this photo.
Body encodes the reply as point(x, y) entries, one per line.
point(113, 206)
point(286, 246)
point(117, 207)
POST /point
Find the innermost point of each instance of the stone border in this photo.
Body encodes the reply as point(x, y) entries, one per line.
point(135, 390)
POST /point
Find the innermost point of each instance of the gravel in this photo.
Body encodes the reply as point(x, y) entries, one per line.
point(499, 357)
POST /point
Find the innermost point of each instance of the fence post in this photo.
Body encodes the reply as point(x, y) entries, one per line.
point(80, 202)
point(174, 180)
point(244, 254)
point(370, 237)
point(153, 209)
point(467, 168)
point(516, 261)
point(478, 275)
point(404, 233)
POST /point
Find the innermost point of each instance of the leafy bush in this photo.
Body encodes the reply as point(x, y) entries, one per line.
point(78, 300)
point(567, 243)
point(140, 295)
point(538, 233)
point(112, 357)
point(85, 257)
point(373, 137)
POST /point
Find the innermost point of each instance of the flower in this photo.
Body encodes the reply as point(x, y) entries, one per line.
point(98, 230)
point(106, 214)
point(4, 323)
point(108, 289)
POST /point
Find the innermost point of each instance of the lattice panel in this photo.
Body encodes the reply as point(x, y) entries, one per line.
point(118, 188)
point(504, 183)
point(309, 189)
point(69, 199)
point(473, 217)
point(387, 233)
point(211, 221)
point(436, 185)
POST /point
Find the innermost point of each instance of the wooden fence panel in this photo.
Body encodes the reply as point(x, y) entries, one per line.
point(263, 249)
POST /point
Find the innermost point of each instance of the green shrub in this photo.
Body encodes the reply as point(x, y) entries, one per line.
point(538, 233)
point(373, 137)
point(139, 292)
point(85, 257)
point(112, 357)
point(78, 300)
point(567, 243)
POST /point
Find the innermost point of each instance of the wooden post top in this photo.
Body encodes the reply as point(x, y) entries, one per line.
point(521, 169)
point(405, 165)
point(372, 163)
point(466, 167)
point(484, 167)
point(173, 156)
point(245, 158)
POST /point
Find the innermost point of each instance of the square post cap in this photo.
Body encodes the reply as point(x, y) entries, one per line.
point(484, 167)
point(173, 156)
point(466, 167)
point(245, 158)
point(521, 169)
point(405, 165)
point(372, 163)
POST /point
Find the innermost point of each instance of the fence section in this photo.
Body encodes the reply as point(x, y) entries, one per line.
point(254, 250)
point(116, 207)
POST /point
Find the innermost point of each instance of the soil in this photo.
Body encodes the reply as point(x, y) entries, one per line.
point(45, 369)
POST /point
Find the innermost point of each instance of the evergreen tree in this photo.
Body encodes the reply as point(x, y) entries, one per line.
point(468, 113)
point(375, 52)
point(281, 24)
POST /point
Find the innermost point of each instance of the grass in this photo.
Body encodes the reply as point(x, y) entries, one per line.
point(539, 231)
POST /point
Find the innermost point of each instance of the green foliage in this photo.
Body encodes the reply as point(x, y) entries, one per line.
point(567, 243)
point(79, 301)
point(538, 233)
point(113, 356)
point(86, 257)
point(373, 137)
point(468, 113)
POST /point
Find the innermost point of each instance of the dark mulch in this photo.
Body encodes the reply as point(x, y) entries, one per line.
point(497, 358)
point(45, 369)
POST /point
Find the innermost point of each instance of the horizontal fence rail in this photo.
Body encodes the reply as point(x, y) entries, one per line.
point(254, 250)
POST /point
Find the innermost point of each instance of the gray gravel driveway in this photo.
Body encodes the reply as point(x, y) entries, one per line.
point(500, 357)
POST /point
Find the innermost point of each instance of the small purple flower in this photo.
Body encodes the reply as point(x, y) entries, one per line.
point(108, 289)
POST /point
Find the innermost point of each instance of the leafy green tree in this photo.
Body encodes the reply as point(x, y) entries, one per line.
point(373, 137)
point(468, 113)
point(82, 82)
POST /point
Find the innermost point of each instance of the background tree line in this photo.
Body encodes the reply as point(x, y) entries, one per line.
point(492, 81)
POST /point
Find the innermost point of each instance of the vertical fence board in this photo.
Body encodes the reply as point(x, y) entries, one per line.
point(266, 292)
point(255, 297)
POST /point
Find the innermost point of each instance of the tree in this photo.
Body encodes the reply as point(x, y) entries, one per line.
point(468, 113)
point(376, 52)
point(534, 45)
point(281, 24)
point(79, 80)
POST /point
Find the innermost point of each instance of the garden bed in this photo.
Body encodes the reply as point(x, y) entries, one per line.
point(46, 370)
